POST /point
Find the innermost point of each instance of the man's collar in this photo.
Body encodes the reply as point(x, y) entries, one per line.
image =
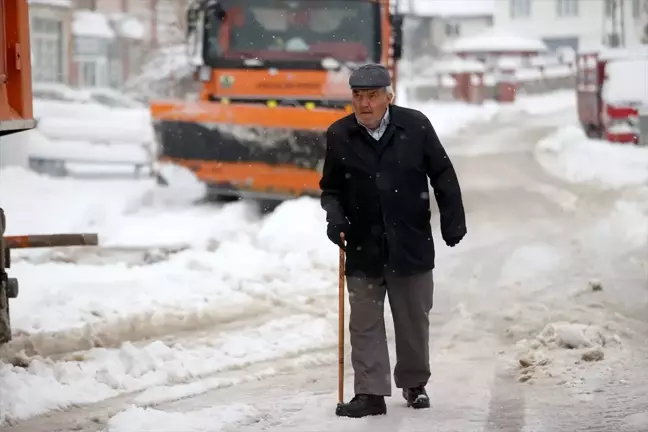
point(383, 122)
point(393, 114)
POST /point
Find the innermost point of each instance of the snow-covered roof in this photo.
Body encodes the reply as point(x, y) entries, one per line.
point(55, 3)
point(91, 24)
point(496, 40)
point(447, 8)
point(457, 64)
point(128, 26)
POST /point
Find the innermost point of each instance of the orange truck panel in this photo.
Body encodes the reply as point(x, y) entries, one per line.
point(245, 114)
point(277, 84)
point(16, 112)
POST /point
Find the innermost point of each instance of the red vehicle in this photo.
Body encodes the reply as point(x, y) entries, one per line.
point(611, 88)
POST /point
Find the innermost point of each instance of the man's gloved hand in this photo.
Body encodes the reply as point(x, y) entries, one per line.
point(334, 230)
point(453, 241)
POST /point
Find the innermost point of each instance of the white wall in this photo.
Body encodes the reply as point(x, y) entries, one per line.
point(468, 26)
point(545, 22)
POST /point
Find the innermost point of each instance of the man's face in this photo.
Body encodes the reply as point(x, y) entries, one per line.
point(369, 105)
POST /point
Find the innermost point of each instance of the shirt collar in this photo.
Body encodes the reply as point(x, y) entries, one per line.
point(383, 122)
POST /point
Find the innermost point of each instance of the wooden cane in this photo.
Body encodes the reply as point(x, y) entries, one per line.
point(341, 326)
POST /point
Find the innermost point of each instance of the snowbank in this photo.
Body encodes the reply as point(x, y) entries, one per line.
point(563, 349)
point(449, 118)
point(100, 373)
point(571, 156)
point(496, 40)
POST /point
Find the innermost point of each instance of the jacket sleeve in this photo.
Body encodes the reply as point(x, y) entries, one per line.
point(331, 183)
point(445, 183)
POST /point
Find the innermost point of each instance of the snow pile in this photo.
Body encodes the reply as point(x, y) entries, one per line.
point(626, 82)
point(571, 156)
point(92, 122)
point(449, 118)
point(91, 24)
point(101, 373)
point(44, 205)
point(541, 104)
point(542, 356)
point(218, 418)
point(496, 39)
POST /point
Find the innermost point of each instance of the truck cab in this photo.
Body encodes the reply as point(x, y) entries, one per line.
point(612, 88)
point(273, 77)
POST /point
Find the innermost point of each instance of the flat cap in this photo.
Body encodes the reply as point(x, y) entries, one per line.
point(370, 76)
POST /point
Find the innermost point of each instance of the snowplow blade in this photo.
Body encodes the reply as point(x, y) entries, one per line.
point(246, 150)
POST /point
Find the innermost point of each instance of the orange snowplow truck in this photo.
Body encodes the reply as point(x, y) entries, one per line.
point(274, 75)
point(15, 68)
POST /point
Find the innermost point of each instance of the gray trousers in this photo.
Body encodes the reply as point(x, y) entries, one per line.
point(410, 299)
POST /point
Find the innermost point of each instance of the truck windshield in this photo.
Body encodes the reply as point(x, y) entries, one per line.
point(277, 31)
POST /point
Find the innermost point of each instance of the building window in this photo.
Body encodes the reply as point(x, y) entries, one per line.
point(47, 50)
point(452, 29)
point(92, 72)
point(567, 8)
point(520, 8)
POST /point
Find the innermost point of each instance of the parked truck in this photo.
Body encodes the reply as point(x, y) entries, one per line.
point(16, 116)
point(274, 76)
point(612, 88)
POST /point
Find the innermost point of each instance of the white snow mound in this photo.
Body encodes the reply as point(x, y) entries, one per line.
point(568, 154)
point(573, 335)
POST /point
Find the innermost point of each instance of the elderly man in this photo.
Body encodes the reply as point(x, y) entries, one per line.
point(376, 197)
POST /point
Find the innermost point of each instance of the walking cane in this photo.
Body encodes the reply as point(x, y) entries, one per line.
point(341, 326)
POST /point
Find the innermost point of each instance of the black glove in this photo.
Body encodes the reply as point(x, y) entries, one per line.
point(334, 230)
point(453, 241)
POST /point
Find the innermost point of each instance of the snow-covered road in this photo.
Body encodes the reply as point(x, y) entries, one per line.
point(539, 322)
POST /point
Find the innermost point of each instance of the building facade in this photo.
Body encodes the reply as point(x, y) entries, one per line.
point(431, 25)
point(579, 24)
point(50, 28)
point(99, 43)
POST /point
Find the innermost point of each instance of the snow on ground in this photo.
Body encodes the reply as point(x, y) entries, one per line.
point(218, 418)
point(570, 155)
point(267, 282)
point(448, 118)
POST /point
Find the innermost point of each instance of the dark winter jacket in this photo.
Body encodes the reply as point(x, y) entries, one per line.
point(381, 188)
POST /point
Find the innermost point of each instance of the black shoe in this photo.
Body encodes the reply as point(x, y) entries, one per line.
point(416, 397)
point(362, 405)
